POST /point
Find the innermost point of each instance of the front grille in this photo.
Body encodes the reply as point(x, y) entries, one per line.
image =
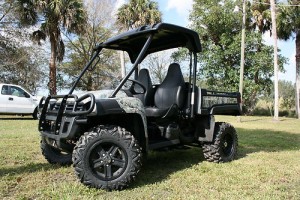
point(58, 111)
point(69, 107)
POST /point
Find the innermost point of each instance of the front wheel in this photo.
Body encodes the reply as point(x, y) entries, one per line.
point(108, 157)
point(36, 114)
point(224, 145)
point(55, 156)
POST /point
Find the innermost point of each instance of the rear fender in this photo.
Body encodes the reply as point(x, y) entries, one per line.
point(205, 127)
point(233, 109)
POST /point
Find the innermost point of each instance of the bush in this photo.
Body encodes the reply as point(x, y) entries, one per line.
point(261, 112)
point(287, 113)
point(265, 108)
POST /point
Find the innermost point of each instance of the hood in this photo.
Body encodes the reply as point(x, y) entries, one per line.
point(103, 94)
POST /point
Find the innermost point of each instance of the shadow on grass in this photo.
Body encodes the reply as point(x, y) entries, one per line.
point(251, 119)
point(263, 140)
point(16, 118)
point(264, 118)
point(159, 165)
point(28, 168)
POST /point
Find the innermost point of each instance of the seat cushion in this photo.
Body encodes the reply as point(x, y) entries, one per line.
point(155, 112)
point(173, 111)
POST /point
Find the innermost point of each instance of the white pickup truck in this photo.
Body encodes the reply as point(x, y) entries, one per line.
point(16, 100)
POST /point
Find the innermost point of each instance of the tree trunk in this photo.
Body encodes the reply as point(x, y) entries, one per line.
point(122, 59)
point(274, 33)
point(298, 74)
point(52, 65)
point(89, 85)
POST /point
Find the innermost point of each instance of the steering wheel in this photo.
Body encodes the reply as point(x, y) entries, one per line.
point(134, 90)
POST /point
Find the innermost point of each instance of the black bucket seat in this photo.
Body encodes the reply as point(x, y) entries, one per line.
point(144, 78)
point(170, 94)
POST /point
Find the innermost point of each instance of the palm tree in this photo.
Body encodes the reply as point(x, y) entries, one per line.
point(288, 26)
point(56, 15)
point(274, 33)
point(134, 14)
point(137, 13)
point(264, 20)
point(261, 16)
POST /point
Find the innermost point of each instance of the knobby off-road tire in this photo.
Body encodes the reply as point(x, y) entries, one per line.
point(107, 157)
point(224, 145)
point(36, 114)
point(55, 156)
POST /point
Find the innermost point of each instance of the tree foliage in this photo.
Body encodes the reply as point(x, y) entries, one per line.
point(158, 64)
point(24, 67)
point(286, 100)
point(137, 13)
point(261, 15)
point(288, 26)
point(219, 28)
point(287, 94)
point(134, 14)
point(52, 17)
point(21, 62)
point(98, 29)
point(288, 20)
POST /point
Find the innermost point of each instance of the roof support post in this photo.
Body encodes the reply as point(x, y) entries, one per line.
point(194, 86)
point(98, 49)
point(135, 65)
point(188, 111)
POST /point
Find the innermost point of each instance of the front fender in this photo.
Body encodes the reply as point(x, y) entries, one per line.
point(135, 105)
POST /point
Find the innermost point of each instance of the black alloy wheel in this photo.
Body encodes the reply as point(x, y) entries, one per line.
point(107, 157)
point(108, 160)
point(224, 145)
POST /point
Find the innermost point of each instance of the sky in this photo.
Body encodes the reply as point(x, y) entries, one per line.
point(177, 12)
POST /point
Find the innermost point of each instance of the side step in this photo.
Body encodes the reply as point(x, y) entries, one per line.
point(164, 143)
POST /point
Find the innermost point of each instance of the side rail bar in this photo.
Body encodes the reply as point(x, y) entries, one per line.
point(211, 98)
point(221, 94)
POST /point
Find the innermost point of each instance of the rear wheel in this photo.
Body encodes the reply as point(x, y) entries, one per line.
point(108, 157)
point(55, 156)
point(224, 145)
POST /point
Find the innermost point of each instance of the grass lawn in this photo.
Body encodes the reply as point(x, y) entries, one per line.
point(267, 167)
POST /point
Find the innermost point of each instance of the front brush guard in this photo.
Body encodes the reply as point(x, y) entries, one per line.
point(56, 116)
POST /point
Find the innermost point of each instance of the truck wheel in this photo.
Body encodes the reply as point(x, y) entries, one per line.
point(36, 114)
point(224, 146)
point(108, 157)
point(55, 156)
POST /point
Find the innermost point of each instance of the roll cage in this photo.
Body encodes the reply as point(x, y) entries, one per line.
point(140, 42)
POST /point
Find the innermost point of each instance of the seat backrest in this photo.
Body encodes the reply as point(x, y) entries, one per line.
point(171, 90)
point(145, 79)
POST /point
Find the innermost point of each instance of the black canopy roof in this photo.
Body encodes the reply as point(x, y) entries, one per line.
point(165, 36)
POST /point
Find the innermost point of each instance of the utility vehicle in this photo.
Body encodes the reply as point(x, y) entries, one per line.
point(105, 133)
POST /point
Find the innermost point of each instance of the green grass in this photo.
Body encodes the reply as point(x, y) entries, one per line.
point(267, 167)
